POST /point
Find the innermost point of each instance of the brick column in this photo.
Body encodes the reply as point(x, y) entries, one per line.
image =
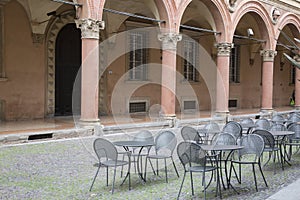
point(222, 90)
point(297, 84)
point(90, 70)
point(267, 80)
point(168, 96)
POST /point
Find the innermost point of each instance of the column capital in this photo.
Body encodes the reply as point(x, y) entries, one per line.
point(297, 58)
point(268, 55)
point(224, 48)
point(90, 27)
point(169, 40)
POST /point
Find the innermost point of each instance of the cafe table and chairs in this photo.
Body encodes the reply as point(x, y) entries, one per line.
point(280, 136)
point(128, 145)
point(220, 148)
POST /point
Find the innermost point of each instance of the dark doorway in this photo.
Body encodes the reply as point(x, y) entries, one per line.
point(67, 64)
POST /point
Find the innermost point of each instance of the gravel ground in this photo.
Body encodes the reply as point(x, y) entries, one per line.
point(63, 169)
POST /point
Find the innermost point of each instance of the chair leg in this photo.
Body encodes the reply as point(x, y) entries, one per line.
point(204, 185)
point(166, 170)
point(181, 185)
point(254, 177)
point(192, 183)
point(175, 167)
point(106, 176)
point(113, 184)
point(95, 177)
point(152, 166)
point(262, 174)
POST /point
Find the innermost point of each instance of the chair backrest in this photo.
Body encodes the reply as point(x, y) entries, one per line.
point(277, 118)
point(294, 118)
point(269, 139)
point(277, 127)
point(189, 133)
point(212, 126)
point(105, 149)
point(295, 128)
point(144, 135)
point(253, 144)
point(233, 128)
point(247, 121)
point(224, 139)
point(263, 124)
point(165, 140)
point(189, 153)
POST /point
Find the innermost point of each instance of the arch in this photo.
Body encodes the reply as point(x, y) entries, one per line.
point(219, 12)
point(54, 28)
point(257, 8)
point(287, 18)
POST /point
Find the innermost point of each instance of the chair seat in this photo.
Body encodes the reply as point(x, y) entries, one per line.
point(268, 149)
point(111, 163)
point(159, 156)
point(244, 162)
point(201, 168)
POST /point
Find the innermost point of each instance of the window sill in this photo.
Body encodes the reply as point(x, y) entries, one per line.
point(136, 81)
point(3, 79)
point(190, 82)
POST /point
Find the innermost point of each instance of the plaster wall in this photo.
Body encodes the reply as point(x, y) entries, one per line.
point(23, 92)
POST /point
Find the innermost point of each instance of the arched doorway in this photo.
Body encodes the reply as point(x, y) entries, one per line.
point(67, 64)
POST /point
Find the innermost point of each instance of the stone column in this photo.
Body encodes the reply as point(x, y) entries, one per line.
point(267, 80)
point(168, 96)
point(90, 70)
point(222, 90)
point(297, 84)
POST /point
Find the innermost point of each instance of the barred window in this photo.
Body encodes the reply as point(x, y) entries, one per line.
point(234, 68)
point(191, 50)
point(137, 55)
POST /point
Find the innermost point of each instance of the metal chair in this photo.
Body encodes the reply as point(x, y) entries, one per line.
point(270, 146)
point(108, 157)
point(253, 146)
point(277, 127)
point(194, 160)
point(263, 124)
point(233, 128)
point(293, 140)
point(189, 133)
point(164, 145)
point(210, 130)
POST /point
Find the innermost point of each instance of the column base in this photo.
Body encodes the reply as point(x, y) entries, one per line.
point(92, 124)
point(171, 119)
point(224, 115)
point(297, 107)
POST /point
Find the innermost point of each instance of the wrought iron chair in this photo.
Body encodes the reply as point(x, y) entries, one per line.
point(189, 133)
point(195, 160)
point(209, 131)
point(263, 124)
point(251, 154)
point(164, 145)
point(293, 140)
point(270, 146)
point(107, 155)
point(233, 128)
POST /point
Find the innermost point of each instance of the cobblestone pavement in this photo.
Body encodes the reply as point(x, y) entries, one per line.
point(63, 169)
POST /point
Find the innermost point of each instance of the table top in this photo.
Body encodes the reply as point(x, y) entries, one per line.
point(282, 133)
point(133, 143)
point(221, 147)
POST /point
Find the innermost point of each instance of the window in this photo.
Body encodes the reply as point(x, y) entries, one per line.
point(190, 48)
point(234, 68)
point(189, 105)
point(136, 107)
point(292, 74)
point(137, 55)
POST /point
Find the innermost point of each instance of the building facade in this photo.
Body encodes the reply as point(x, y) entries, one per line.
point(171, 57)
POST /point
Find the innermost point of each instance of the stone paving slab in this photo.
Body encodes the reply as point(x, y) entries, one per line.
point(291, 192)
